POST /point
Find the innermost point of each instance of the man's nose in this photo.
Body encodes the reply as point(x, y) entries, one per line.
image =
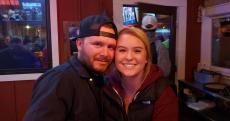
point(105, 51)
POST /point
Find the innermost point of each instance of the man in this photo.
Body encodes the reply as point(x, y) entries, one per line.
point(71, 92)
point(7, 40)
point(160, 54)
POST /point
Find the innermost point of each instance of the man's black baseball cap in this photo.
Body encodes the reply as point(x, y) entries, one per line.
point(90, 26)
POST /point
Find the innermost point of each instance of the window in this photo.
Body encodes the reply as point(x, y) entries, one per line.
point(220, 42)
point(215, 39)
point(25, 42)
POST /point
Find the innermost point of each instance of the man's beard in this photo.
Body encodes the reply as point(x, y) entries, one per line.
point(86, 61)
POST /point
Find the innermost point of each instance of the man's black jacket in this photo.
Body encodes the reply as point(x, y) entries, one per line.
point(65, 93)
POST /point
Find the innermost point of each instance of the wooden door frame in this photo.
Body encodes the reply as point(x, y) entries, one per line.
point(167, 10)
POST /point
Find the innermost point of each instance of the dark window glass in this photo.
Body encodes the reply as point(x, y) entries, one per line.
point(25, 45)
point(221, 42)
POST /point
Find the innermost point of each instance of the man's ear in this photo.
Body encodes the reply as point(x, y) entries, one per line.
point(79, 44)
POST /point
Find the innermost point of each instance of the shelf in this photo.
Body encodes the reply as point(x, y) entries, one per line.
point(199, 86)
point(206, 115)
point(216, 113)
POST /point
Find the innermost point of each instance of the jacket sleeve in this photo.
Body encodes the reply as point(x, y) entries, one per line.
point(163, 60)
point(166, 107)
point(50, 99)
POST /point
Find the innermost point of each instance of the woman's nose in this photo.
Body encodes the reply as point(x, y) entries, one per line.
point(129, 55)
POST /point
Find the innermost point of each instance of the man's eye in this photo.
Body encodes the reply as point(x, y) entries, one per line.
point(97, 44)
point(112, 47)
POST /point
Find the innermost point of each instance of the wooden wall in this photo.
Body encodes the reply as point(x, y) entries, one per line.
point(75, 10)
point(214, 2)
point(193, 38)
point(15, 96)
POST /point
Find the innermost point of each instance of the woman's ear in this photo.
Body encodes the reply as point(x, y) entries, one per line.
point(146, 60)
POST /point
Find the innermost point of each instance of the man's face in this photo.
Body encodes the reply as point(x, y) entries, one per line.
point(97, 52)
point(7, 40)
point(150, 33)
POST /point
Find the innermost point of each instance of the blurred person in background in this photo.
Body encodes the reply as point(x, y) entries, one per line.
point(160, 53)
point(16, 56)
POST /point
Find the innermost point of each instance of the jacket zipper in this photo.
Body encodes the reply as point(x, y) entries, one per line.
point(118, 96)
point(123, 106)
point(135, 96)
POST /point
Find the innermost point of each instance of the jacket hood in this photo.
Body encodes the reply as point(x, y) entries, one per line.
point(154, 74)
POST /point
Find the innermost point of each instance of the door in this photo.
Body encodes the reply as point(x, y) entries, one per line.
point(166, 17)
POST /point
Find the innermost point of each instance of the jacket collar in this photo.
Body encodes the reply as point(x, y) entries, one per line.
point(154, 74)
point(83, 72)
point(79, 67)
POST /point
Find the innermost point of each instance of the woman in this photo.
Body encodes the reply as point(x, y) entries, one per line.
point(136, 89)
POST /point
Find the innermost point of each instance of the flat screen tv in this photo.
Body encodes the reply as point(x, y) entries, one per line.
point(32, 10)
point(130, 14)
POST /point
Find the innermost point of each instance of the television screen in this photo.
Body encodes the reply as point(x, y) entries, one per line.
point(130, 14)
point(32, 11)
point(31, 5)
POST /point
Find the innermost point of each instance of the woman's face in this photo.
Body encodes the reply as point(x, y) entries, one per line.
point(130, 55)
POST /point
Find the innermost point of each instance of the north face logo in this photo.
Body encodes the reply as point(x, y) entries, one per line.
point(147, 102)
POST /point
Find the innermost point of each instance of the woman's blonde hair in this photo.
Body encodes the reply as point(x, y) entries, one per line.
point(140, 34)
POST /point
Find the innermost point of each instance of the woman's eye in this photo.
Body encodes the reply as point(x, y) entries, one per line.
point(137, 51)
point(121, 50)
